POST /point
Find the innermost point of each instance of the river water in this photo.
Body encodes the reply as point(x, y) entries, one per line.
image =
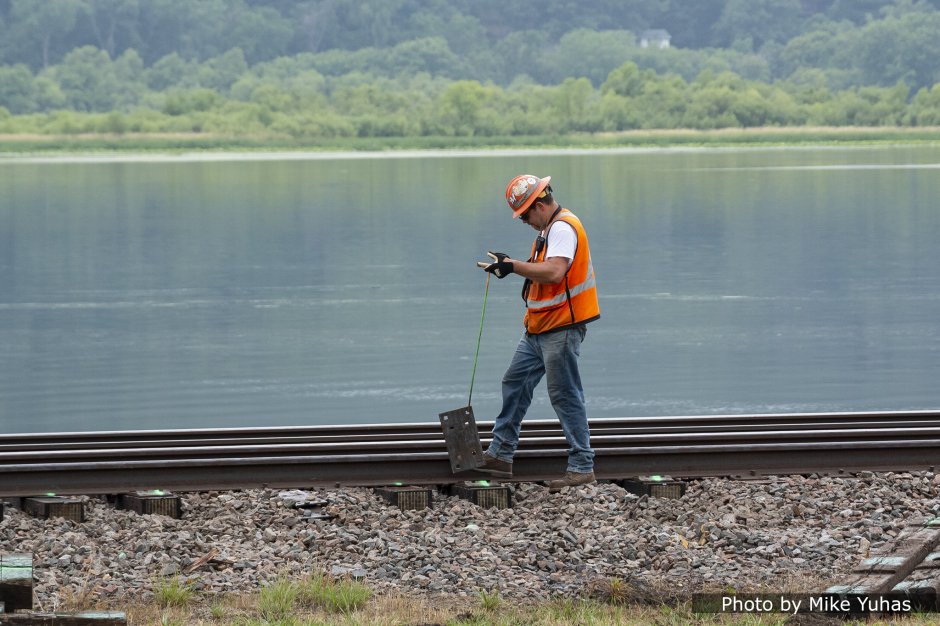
point(234, 290)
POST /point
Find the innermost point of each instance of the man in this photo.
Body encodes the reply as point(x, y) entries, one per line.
point(561, 297)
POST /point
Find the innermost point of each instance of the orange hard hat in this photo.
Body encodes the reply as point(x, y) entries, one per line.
point(524, 190)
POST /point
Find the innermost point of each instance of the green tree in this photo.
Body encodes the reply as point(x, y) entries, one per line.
point(828, 45)
point(430, 54)
point(39, 30)
point(759, 21)
point(462, 32)
point(272, 98)
point(626, 80)
point(315, 21)
point(129, 74)
point(519, 51)
point(808, 87)
point(194, 30)
point(925, 107)
point(573, 103)
point(17, 91)
point(588, 54)
point(619, 112)
point(664, 102)
point(221, 72)
point(87, 79)
point(902, 48)
point(261, 33)
point(858, 11)
point(884, 106)
point(114, 24)
point(691, 24)
point(181, 102)
point(353, 24)
point(460, 106)
point(308, 88)
point(49, 96)
point(170, 71)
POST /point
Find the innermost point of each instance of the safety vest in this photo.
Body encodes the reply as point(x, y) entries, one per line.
point(568, 302)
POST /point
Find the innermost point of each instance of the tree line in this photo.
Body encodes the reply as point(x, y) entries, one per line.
point(387, 68)
point(287, 99)
point(852, 42)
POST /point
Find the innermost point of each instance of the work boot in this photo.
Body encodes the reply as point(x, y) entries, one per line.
point(571, 479)
point(492, 465)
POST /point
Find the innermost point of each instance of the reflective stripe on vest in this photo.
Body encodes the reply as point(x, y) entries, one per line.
point(590, 283)
point(571, 301)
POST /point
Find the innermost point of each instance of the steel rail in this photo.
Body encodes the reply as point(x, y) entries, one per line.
point(391, 446)
point(431, 430)
point(428, 434)
point(429, 468)
point(346, 430)
point(200, 459)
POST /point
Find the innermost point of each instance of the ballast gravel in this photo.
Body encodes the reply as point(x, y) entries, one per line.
point(785, 533)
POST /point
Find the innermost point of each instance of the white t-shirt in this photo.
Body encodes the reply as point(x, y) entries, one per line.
point(562, 241)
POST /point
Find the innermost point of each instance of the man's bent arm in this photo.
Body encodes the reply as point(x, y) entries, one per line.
point(549, 272)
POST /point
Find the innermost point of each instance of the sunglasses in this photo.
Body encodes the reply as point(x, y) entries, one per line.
point(544, 193)
point(525, 216)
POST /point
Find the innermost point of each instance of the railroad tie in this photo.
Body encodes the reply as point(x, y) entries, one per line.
point(923, 583)
point(16, 581)
point(886, 568)
point(84, 618)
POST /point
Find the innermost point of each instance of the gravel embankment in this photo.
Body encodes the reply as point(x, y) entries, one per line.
point(787, 531)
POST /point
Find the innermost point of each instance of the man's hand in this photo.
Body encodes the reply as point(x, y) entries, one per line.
point(499, 267)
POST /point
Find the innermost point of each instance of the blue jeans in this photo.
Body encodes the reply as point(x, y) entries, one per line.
point(554, 355)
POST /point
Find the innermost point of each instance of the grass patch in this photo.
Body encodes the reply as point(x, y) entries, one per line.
point(276, 601)
point(490, 600)
point(334, 595)
point(172, 592)
point(22, 144)
point(168, 620)
point(613, 591)
point(404, 610)
point(218, 611)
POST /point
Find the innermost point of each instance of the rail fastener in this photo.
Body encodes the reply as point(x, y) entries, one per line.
point(655, 486)
point(155, 502)
point(45, 507)
point(482, 493)
point(406, 498)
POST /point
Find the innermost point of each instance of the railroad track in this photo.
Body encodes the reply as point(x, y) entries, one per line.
point(415, 454)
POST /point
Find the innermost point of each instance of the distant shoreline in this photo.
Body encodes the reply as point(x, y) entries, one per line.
point(16, 145)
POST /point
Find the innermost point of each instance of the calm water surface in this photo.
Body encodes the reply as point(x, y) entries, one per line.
point(172, 293)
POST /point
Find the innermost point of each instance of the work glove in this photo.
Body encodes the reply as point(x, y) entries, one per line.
point(499, 267)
